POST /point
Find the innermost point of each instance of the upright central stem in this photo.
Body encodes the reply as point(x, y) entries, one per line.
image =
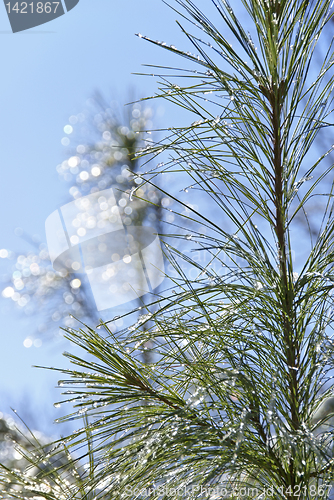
point(289, 341)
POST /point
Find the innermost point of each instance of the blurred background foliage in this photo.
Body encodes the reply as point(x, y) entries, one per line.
point(106, 137)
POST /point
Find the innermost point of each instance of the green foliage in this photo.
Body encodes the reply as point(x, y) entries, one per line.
point(238, 393)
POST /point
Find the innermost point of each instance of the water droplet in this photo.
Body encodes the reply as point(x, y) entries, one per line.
point(131, 193)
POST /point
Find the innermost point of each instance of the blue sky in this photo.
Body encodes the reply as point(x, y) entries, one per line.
point(47, 75)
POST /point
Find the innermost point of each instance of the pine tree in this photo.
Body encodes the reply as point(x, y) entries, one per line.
point(238, 399)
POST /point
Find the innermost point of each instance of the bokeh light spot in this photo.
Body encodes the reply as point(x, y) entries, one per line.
point(74, 240)
point(68, 129)
point(84, 175)
point(65, 141)
point(27, 343)
point(96, 171)
point(76, 283)
point(73, 120)
point(73, 161)
point(8, 292)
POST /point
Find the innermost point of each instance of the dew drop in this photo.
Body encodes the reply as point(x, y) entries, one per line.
point(131, 193)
